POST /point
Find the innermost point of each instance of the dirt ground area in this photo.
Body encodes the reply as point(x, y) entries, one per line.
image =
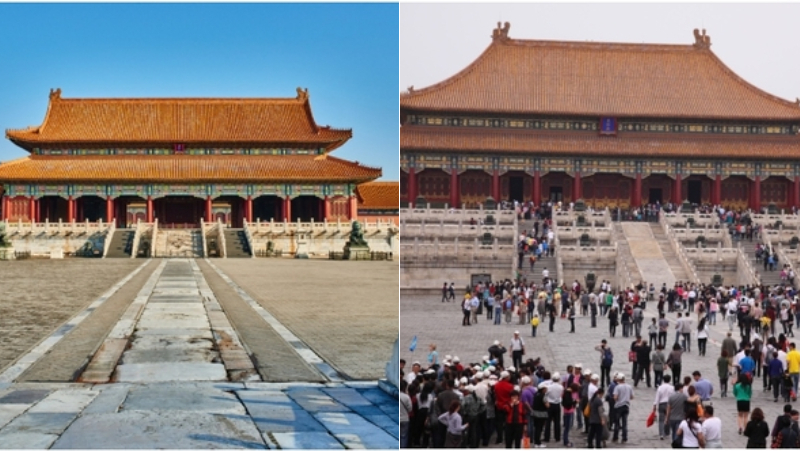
point(345, 311)
point(37, 296)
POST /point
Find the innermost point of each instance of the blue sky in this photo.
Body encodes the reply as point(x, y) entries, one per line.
point(346, 55)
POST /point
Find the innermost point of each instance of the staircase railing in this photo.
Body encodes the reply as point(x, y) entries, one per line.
point(153, 238)
point(223, 251)
point(624, 276)
point(745, 271)
point(784, 259)
point(677, 247)
point(203, 236)
point(249, 237)
point(137, 236)
point(109, 237)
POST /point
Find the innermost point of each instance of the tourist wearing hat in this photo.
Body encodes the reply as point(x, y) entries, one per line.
point(623, 395)
point(517, 349)
point(502, 393)
point(553, 402)
point(496, 351)
point(472, 406)
point(539, 414)
point(596, 419)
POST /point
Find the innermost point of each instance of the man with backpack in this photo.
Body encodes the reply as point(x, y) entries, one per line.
point(789, 437)
point(606, 360)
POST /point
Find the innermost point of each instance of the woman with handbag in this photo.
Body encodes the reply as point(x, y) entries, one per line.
point(689, 432)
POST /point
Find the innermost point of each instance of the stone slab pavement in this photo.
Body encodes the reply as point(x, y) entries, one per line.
point(432, 321)
point(197, 415)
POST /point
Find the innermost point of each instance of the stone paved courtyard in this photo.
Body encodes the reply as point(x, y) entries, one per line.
point(174, 335)
point(435, 322)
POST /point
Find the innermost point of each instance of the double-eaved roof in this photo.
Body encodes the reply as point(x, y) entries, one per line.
point(181, 123)
point(515, 76)
point(188, 121)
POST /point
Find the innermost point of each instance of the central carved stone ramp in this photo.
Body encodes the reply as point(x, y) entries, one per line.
point(650, 254)
point(179, 243)
point(173, 339)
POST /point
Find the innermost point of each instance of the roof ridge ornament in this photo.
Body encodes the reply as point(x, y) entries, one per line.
point(302, 94)
point(500, 34)
point(701, 41)
point(55, 94)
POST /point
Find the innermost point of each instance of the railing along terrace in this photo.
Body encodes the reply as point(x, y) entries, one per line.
point(19, 229)
point(678, 248)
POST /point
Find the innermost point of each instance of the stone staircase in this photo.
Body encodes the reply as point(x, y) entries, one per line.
point(624, 253)
point(179, 243)
point(121, 243)
point(525, 272)
point(236, 245)
point(768, 278)
point(669, 254)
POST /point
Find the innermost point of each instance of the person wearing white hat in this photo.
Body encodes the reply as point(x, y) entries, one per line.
point(539, 414)
point(517, 349)
point(502, 394)
point(496, 351)
point(623, 394)
point(412, 375)
point(553, 398)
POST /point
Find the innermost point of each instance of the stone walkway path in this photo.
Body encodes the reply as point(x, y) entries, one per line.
point(182, 376)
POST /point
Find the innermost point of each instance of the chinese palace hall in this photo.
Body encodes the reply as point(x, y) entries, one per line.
point(177, 160)
point(614, 124)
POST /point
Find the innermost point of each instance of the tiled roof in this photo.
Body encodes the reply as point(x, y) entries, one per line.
point(179, 121)
point(185, 168)
point(379, 195)
point(600, 79)
point(421, 138)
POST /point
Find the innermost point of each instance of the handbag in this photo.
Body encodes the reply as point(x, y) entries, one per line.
point(651, 418)
point(631, 356)
point(586, 410)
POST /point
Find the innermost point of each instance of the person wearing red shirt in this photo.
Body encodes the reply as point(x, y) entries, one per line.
point(516, 418)
point(502, 395)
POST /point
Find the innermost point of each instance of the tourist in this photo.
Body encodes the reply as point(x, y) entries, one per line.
point(690, 431)
point(571, 316)
point(623, 395)
point(702, 337)
point(642, 364)
point(613, 321)
point(686, 332)
point(517, 350)
point(658, 362)
point(757, 430)
point(406, 410)
point(444, 292)
point(793, 366)
point(568, 402)
point(502, 393)
point(676, 410)
point(433, 357)
point(742, 391)
point(723, 371)
point(652, 332)
point(515, 421)
point(704, 388)
point(498, 309)
point(496, 352)
point(472, 406)
point(424, 405)
point(729, 346)
point(455, 429)
point(663, 326)
point(534, 324)
point(466, 310)
point(606, 360)
point(674, 362)
point(775, 372)
point(712, 429)
point(789, 435)
point(783, 420)
point(596, 420)
point(555, 392)
point(539, 414)
point(661, 402)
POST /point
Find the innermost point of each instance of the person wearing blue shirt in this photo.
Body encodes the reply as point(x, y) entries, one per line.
point(747, 364)
point(703, 387)
point(776, 371)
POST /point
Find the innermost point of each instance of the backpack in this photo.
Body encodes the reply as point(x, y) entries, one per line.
point(790, 436)
point(567, 401)
point(608, 357)
point(471, 406)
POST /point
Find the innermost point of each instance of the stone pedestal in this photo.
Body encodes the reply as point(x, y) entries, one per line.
point(356, 252)
point(302, 248)
point(6, 253)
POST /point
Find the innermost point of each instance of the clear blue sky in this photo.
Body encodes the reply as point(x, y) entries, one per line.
point(346, 55)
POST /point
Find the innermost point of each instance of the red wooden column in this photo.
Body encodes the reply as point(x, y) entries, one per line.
point(149, 215)
point(677, 191)
point(352, 208)
point(109, 209)
point(576, 187)
point(496, 185)
point(5, 208)
point(756, 199)
point(79, 210)
point(536, 196)
point(248, 209)
point(637, 191)
point(208, 208)
point(32, 212)
point(716, 190)
point(70, 209)
point(327, 214)
point(287, 208)
point(795, 192)
point(454, 188)
point(412, 185)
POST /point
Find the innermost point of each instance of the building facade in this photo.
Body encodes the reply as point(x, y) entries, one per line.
point(180, 160)
point(613, 124)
